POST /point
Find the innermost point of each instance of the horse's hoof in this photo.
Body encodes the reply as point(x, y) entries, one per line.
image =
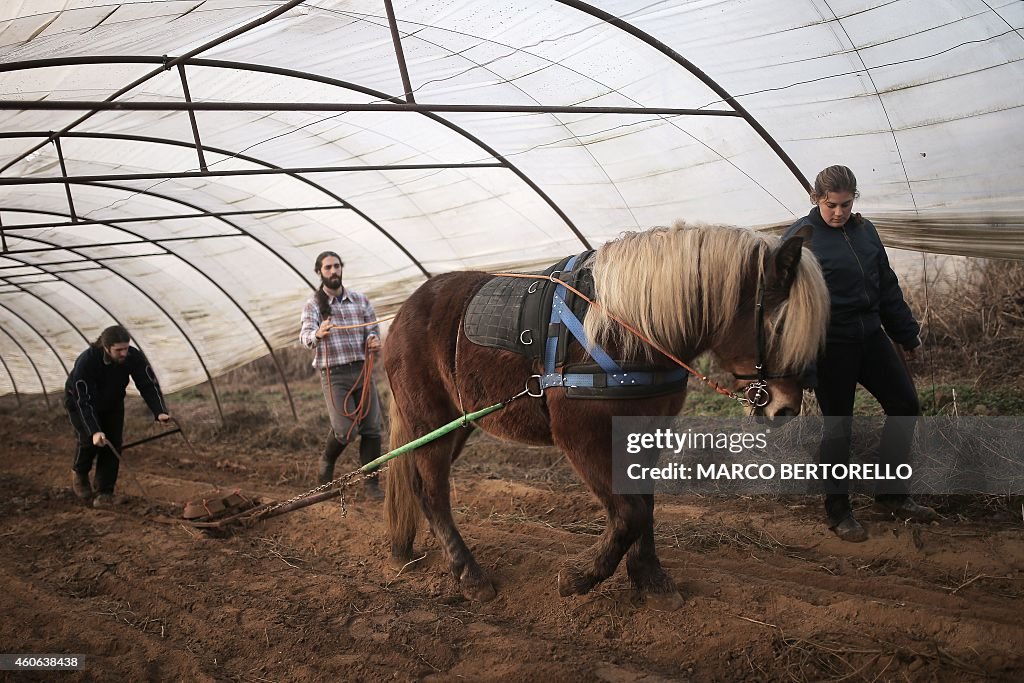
point(654, 587)
point(663, 602)
point(572, 581)
point(478, 591)
point(656, 582)
point(400, 557)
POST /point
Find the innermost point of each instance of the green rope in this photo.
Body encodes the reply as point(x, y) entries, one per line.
point(436, 434)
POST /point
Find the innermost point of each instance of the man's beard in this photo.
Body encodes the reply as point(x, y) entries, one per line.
point(332, 282)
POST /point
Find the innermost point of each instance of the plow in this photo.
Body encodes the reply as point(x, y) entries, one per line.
point(233, 510)
point(220, 510)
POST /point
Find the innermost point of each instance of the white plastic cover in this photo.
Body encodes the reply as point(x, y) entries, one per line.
point(921, 98)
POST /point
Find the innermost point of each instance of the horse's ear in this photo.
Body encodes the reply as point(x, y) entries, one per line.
point(805, 233)
point(787, 259)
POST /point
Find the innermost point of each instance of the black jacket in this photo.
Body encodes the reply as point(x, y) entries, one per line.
point(865, 291)
point(97, 385)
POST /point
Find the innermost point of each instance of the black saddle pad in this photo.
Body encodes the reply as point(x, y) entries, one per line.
point(513, 313)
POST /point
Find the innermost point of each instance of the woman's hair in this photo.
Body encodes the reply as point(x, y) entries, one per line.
point(115, 334)
point(834, 179)
point(321, 296)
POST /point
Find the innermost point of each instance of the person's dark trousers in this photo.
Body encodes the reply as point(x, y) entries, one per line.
point(336, 383)
point(369, 450)
point(875, 365)
point(107, 464)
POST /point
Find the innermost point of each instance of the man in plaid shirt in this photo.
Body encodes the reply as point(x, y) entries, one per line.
point(339, 355)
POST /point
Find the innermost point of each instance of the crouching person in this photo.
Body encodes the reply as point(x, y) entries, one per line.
point(94, 399)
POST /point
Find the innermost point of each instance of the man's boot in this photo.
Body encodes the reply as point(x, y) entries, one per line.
point(904, 507)
point(332, 450)
point(369, 450)
point(80, 484)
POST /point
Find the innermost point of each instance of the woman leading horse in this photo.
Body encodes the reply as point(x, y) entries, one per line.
point(749, 299)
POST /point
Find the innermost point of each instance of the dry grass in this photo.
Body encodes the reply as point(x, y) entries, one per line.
point(856, 657)
point(974, 325)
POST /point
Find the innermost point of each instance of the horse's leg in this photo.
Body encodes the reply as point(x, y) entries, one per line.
point(645, 570)
point(583, 430)
point(627, 516)
point(429, 391)
point(433, 462)
point(587, 448)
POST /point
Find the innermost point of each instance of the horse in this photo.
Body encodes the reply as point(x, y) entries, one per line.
point(752, 301)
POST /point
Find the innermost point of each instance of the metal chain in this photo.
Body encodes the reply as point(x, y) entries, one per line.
point(344, 481)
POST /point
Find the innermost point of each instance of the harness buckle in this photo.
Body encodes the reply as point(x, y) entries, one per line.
point(540, 387)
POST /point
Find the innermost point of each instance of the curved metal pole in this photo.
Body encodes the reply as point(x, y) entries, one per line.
point(152, 300)
point(84, 293)
point(297, 176)
point(38, 334)
point(42, 385)
point(459, 130)
point(222, 219)
point(195, 207)
point(278, 71)
point(699, 74)
point(241, 309)
point(14, 385)
point(266, 164)
point(242, 232)
point(22, 288)
point(167, 63)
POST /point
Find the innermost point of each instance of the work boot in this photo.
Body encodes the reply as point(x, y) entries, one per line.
point(841, 520)
point(905, 507)
point(371, 487)
point(332, 450)
point(80, 484)
point(105, 501)
point(850, 530)
point(369, 450)
point(326, 472)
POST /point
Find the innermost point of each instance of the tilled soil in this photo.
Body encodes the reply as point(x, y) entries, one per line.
point(768, 593)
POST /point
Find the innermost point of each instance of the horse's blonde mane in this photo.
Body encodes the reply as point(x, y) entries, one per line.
point(805, 313)
point(680, 287)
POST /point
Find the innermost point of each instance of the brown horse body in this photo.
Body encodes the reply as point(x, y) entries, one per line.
point(437, 375)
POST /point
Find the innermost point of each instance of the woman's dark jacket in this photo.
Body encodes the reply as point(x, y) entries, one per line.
point(865, 291)
point(97, 385)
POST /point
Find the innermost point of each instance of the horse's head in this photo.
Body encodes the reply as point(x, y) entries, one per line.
point(759, 306)
point(778, 328)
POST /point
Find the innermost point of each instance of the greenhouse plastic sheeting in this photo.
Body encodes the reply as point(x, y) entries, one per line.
point(209, 270)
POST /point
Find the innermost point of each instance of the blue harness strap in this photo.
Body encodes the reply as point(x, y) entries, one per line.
point(621, 379)
point(612, 374)
point(562, 314)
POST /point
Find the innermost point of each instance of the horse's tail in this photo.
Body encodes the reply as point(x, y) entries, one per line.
point(401, 507)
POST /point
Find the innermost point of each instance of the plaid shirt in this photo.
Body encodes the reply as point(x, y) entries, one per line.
point(339, 346)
